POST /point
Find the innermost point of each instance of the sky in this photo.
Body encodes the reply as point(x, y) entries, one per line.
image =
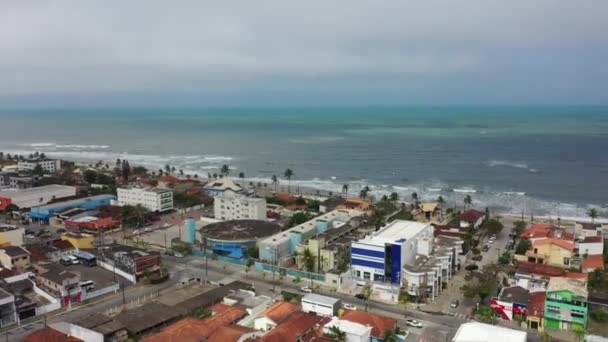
point(364, 52)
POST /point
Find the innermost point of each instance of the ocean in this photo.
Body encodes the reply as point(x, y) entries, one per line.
point(543, 160)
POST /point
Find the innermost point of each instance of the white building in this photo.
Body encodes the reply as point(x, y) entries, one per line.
point(230, 205)
point(381, 256)
point(48, 165)
point(41, 195)
point(481, 332)
point(321, 305)
point(152, 199)
point(355, 332)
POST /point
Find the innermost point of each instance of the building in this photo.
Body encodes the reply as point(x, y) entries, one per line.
point(152, 199)
point(233, 238)
point(321, 305)
point(355, 332)
point(48, 165)
point(592, 263)
point(481, 332)
point(11, 235)
point(355, 204)
point(511, 301)
point(378, 324)
point(551, 251)
point(536, 310)
point(9, 179)
point(472, 217)
point(584, 229)
point(15, 257)
point(381, 256)
point(27, 198)
point(48, 335)
point(79, 240)
point(430, 211)
point(274, 315)
point(219, 186)
point(538, 232)
point(96, 327)
point(535, 277)
point(566, 304)
point(279, 247)
point(230, 205)
point(8, 311)
point(45, 212)
point(60, 283)
point(293, 328)
point(590, 245)
point(129, 259)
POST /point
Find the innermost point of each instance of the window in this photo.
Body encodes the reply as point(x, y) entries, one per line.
point(566, 261)
point(535, 250)
point(366, 275)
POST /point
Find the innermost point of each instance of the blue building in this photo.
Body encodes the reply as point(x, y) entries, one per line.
point(45, 212)
point(233, 238)
point(381, 256)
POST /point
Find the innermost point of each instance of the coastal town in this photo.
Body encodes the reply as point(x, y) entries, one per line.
point(110, 251)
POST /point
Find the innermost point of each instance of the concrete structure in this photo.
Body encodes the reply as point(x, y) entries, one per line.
point(355, 332)
point(11, 235)
point(566, 304)
point(8, 312)
point(230, 205)
point(27, 198)
point(233, 238)
point(94, 328)
point(48, 165)
point(279, 247)
point(379, 324)
point(60, 283)
point(45, 212)
point(321, 305)
point(219, 186)
point(584, 229)
point(536, 311)
point(590, 245)
point(551, 251)
point(481, 332)
point(14, 257)
point(79, 241)
point(9, 179)
point(131, 260)
point(152, 199)
point(381, 256)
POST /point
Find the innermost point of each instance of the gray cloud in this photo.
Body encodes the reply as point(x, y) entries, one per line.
point(91, 47)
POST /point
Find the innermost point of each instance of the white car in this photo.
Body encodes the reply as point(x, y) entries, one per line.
point(136, 232)
point(148, 230)
point(349, 306)
point(178, 255)
point(306, 289)
point(413, 323)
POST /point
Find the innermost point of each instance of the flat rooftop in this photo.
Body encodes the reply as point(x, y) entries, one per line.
point(395, 231)
point(75, 202)
point(240, 230)
point(313, 297)
point(36, 190)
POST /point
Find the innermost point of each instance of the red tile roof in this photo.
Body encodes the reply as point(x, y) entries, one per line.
point(193, 330)
point(230, 333)
point(536, 304)
point(378, 323)
point(285, 197)
point(49, 335)
point(569, 245)
point(279, 311)
point(167, 179)
point(540, 269)
point(296, 326)
point(539, 231)
point(471, 215)
point(296, 207)
point(593, 261)
point(591, 239)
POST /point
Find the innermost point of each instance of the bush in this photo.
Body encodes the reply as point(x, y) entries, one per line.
point(599, 315)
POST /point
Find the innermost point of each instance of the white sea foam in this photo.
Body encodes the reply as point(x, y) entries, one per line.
point(434, 189)
point(54, 146)
point(315, 140)
point(493, 163)
point(465, 190)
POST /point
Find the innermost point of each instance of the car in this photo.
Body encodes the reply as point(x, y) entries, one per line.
point(486, 248)
point(136, 232)
point(306, 289)
point(360, 296)
point(147, 230)
point(349, 306)
point(491, 241)
point(472, 267)
point(178, 255)
point(455, 303)
point(493, 237)
point(477, 257)
point(169, 252)
point(413, 323)
point(30, 236)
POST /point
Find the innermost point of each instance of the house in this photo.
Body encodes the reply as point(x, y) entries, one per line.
point(94, 327)
point(551, 251)
point(11, 235)
point(535, 277)
point(584, 229)
point(472, 217)
point(49, 335)
point(293, 328)
point(79, 240)
point(60, 283)
point(536, 308)
point(231, 333)
point(511, 301)
point(546, 231)
point(592, 263)
point(47, 165)
point(379, 324)
point(481, 332)
point(566, 305)
point(355, 204)
point(431, 211)
point(14, 257)
point(590, 245)
point(218, 186)
point(165, 182)
point(355, 332)
point(275, 314)
point(131, 260)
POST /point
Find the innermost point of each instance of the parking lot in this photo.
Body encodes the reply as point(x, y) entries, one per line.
point(101, 276)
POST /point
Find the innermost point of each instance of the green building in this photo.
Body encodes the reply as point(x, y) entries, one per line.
point(566, 304)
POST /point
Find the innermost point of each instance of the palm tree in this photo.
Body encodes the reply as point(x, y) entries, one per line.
point(384, 198)
point(242, 175)
point(167, 168)
point(225, 170)
point(345, 189)
point(467, 201)
point(181, 172)
point(441, 202)
point(363, 193)
point(593, 214)
point(196, 175)
point(394, 197)
point(275, 182)
point(366, 291)
point(288, 174)
point(414, 197)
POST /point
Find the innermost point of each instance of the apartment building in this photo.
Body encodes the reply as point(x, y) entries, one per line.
point(230, 205)
point(152, 199)
point(48, 165)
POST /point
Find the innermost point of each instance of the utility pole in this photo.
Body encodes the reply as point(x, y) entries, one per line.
point(124, 301)
point(206, 261)
point(274, 260)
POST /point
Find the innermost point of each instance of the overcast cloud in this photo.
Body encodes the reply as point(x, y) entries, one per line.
point(470, 51)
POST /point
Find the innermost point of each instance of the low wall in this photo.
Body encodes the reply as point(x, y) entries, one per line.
point(111, 268)
point(100, 292)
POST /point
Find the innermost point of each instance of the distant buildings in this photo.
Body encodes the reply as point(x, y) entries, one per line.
point(152, 199)
point(381, 256)
point(45, 212)
point(219, 186)
point(48, 165)
point(27, 198)
point(9, 179)
point(230, 205)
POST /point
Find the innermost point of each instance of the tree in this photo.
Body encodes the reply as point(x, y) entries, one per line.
point(1, 155)
point(492, 226)
point(593, 214)
point(414, 197)
point(345, 189)
point(394, 197)
point(225, 170)
point(486, 315)
point(167, 168)
point(300, 201)
point(505, 258)
point(196, 176)
point(390, 336)
point(90, 176)
point(384, 198)
point(364, 192)
point(523, 245)
point(367, 291)
point(181, 172)
point(288, 174)
point(242, 175)
point(38, 170)
point(309, 260)
point(336, 334)
point(519, 227)
point(467, 201)
point(126, 170)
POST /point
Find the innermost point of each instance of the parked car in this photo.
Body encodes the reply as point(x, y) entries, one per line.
point(472, 267)
point(360, 296)
point(178, 255)
point(413, 323)
point(147, 230)
point(169, 252)
point(455, 303)
point(349, 306)
point(306, 289)
point(486, 248)
point(477, 257)
point(136, 232)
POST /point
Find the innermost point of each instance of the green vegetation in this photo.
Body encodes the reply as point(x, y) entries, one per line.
point(184, 200)
point(299, 218)
point(133, 216)
point(202, 313)
point(403, 214)
point(523, 245)
point(364, 192)
point(291, 297)
point(468, 201)
point(482, 283)
point(253, 252)
point(309, 260)
point(390, 336)
point(492, 226)
point(593, 214)
point(274, 200)
point(505, 258)
point(486, 315)
point(288, 174)
point(183, 248)
point(599, 315)
point(336, 334)
point(519, 227)
point(313, 205)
